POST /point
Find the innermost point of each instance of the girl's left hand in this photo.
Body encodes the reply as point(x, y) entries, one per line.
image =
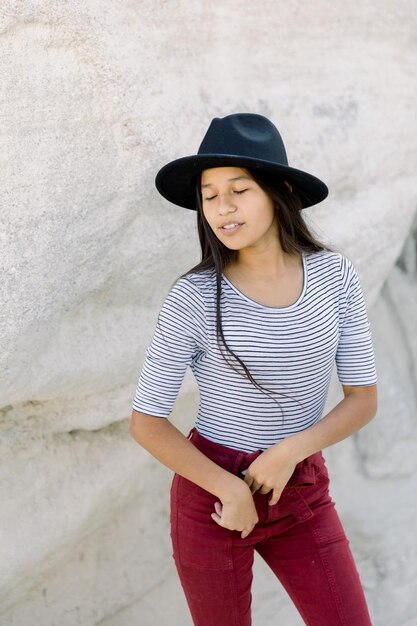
point(271, 470)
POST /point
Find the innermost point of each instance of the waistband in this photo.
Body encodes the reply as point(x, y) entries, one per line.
point(237, 460)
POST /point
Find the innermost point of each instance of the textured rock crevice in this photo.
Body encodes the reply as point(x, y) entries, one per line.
point(386, 445)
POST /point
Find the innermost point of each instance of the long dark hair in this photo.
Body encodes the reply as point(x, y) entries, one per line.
point(294, 235)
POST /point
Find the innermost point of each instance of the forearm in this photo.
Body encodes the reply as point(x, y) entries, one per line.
point(347, 417)
point(167, 444)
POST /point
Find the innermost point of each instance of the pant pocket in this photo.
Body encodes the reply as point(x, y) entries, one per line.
point(197, 540)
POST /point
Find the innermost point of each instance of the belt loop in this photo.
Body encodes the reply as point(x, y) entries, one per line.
point(238, 462)
point(245, 458)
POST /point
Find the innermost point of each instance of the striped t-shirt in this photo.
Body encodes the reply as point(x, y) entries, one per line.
point(290, 350)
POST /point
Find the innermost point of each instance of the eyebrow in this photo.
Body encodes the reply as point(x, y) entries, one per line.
point(229, 180)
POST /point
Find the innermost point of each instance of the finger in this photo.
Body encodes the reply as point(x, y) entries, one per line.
point(245, 533)
point(218, 507)
point(276, 494)
point(264, 489)
point(248, 480)
point(255, 486)
point(217, 518)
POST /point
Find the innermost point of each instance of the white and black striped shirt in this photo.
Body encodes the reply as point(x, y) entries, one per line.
point(290, 350)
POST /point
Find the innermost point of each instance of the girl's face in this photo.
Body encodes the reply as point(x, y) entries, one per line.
point(231, 196)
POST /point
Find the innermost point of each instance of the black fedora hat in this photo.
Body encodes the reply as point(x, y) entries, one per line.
point(242, 140)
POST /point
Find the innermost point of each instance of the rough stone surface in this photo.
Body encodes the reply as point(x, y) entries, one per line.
point(95, 97)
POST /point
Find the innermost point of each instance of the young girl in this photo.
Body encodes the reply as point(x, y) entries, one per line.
point(261, 321)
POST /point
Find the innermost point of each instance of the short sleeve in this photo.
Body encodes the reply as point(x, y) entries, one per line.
point(178, 339)
point(355, 359)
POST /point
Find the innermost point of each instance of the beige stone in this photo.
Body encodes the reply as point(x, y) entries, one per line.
point(95, 97)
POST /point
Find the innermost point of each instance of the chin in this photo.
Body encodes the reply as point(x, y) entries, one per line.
point(230, 246)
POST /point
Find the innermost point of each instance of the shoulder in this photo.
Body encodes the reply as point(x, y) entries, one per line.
point(334, 268)
point(326, 261)
point(200, 283)
point(201, 278)
point(188, 293)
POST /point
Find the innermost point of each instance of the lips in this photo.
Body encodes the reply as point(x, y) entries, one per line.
point(230, 224)
point(232, 227)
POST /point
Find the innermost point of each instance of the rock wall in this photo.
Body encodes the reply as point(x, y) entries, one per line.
point(95, 97)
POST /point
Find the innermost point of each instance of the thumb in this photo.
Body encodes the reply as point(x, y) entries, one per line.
point(275, 497)
point(217, 518)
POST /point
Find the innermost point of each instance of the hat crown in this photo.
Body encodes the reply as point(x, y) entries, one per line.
point(246, 140)
point(244, 134)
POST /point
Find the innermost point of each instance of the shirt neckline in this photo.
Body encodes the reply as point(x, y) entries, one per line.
point(275, 308)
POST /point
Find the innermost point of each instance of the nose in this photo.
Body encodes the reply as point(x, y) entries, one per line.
point(226, 204)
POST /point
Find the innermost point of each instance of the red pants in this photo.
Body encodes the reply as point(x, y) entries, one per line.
point(300, 538)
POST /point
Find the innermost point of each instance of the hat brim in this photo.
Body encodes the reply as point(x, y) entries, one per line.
point(174, 181)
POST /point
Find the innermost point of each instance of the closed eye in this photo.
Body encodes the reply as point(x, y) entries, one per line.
point(235, 191)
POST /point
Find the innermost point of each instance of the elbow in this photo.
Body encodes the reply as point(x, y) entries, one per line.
point(135, 426)
point(374, 401)
point(372, 404)
point(145, 427)
point(367, 398)
point(368, 411)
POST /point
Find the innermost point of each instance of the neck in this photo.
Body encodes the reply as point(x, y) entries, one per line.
point(265, 265)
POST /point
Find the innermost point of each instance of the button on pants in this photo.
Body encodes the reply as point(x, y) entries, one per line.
point(300, 538)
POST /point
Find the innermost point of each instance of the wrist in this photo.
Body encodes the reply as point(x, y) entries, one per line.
point(294, 448)
point(231, 487)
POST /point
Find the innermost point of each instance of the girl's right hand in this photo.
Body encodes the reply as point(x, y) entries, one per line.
point(238, 513)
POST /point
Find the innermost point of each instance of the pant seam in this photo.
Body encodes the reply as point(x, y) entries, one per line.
point(330, 578)
point(235, 587)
